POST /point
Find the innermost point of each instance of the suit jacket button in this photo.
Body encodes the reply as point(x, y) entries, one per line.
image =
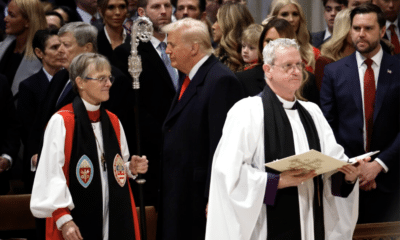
point(169, 130)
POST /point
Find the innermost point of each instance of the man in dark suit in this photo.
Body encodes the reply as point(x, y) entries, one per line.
point(86, 10)
point(47, 48)
point(158, 84)
point(331, 8)
point(391, 9)
point(9, 132)
point(192, 129)
point(364, 119)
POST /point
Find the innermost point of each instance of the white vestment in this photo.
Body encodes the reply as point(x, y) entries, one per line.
point(238, 179)
point(50, 191)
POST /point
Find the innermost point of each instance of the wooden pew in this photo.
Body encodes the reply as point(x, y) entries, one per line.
point(16, 219)
point(376, 231)
point(151, 222)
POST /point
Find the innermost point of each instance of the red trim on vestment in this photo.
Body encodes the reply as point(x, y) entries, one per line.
point(134, 214)
point(67, 112)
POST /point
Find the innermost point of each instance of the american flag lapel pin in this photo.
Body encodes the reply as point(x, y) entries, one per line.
point(389, 71)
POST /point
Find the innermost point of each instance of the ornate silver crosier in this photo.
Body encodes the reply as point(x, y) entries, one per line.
point(142, 30)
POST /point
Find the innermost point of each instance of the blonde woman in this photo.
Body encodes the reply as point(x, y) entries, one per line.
point(291, 11)
point(232, 20)
point(17, 59)
point(337, 47)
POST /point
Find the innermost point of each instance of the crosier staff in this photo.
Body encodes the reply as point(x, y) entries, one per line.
point(142, 30)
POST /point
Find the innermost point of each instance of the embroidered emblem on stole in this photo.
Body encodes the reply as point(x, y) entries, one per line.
point(119, 170)
point(84, 171)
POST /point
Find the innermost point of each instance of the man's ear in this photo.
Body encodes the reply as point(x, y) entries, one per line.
point(383, 31)
point(88, 47)
point(267, 70)
point(141, 12)
point(195, 49)
point(203, 17)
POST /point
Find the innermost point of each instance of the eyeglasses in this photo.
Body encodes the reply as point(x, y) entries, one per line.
point(102, 80)
point(289, 68)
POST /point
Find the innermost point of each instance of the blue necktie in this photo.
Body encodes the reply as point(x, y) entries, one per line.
point(167, 62)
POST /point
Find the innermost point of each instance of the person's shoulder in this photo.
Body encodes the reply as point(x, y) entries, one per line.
point(247, 105)
point(311, 107)
point(318, 34)
point(341, 62)
point(66, 111)
point(254, 72)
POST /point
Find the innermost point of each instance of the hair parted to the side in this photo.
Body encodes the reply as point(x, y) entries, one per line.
point(32, 11)
point(302, 34)
point(83, 32)
point(366, 8)
point(232, 18)
point(193, 31)
point(269, 55)
point(82, 64)
point(341, 28)
point(40, 39)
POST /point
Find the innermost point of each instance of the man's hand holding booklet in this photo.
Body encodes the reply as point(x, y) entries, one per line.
point(314, 160)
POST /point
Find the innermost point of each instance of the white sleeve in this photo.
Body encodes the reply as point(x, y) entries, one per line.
point(125, 151)
point(340, 213)
point(238, 177)
point(50, 191)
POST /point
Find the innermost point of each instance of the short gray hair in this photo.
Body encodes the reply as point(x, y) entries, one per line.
point(269, 52)
point(83, 32)
point(79, 66)
point(194, 31)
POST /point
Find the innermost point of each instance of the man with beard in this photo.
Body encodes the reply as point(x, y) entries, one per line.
point(391, 9)
point(360, 100)
point(158, 85)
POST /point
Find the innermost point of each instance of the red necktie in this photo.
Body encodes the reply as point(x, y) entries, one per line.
point(184, 86)
point(369, 100)
point(394, 39)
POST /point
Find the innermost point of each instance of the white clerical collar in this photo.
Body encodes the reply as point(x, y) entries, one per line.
point(49, 77)
point(288, 105)
point(90, 107)
point(196, 67)
point(377, 59)
point(108, 37)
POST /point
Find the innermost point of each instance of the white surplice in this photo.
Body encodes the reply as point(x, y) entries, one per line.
point(238, 179)
point(50, 191)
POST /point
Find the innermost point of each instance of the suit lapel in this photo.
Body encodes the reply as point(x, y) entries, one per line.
point(191, 90)
point(158, 65)
point(385, 78)
point(353, 79)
